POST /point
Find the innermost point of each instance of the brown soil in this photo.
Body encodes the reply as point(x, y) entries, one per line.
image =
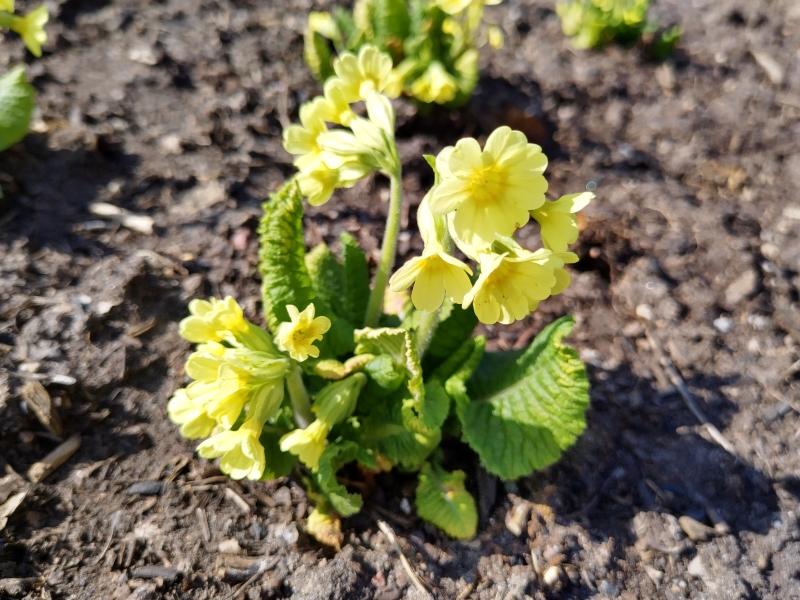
point(174, 109)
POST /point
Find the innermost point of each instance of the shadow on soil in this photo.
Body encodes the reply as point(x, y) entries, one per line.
point(48, 191)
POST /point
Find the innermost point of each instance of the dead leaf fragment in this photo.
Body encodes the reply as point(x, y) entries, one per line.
point(9, 506)
point(41, 404)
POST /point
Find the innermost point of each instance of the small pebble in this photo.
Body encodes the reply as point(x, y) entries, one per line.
point(405, 506)
point(695, 530)
point(146, 488)
point(230, 546)
point(654, 574)
point(723, 324)
point(552, 575)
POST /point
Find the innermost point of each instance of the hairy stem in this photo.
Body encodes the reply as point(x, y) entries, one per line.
point(388, 250)
point(301, 404)
point(427, 322)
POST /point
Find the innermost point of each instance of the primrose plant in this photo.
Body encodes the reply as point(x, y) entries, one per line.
point(433, 43)
point(17, 97)
point(336, 381)
point(595, 23)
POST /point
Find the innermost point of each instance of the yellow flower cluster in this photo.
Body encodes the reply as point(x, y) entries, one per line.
point(328, 159)
point(30, 27)
point(481, 197)
point(238, 380)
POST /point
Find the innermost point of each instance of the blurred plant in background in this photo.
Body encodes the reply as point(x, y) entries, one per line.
point(433, 44)
point(17, 96)
point(595, 23)
point(335, 380)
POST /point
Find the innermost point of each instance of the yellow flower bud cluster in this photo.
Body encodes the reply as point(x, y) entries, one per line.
point(482, 196)
point(328, 159)
point(238, 380)
point(30, 27)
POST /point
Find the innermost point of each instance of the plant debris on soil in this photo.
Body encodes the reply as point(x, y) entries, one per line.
point(688, 292)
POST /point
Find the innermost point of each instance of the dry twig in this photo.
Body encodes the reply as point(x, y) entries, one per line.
point(412, 575)
point(61, 454)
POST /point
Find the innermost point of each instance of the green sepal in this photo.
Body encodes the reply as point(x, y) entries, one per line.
point(443, 500)
point(17, 101)
point(526, 408)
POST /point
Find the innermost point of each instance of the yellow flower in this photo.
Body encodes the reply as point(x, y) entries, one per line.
point(298, 336)
point(495, 37)
point(185, 411)
point(307, 444)
point(559, 228)
point(211, 319)
point(337, 107)
point(563, 278)
point(435, 276)
point(370, 71)
point(7, 5)
point(435, 85)
point(510, 286)
point(303, 140)
point(31, 29)
point(241, 453)
point(493, 190)
point(454, 7)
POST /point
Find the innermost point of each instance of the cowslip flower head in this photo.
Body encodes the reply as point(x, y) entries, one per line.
point(435, 276)
point(492, 190)
point(435, 85)
point(370, 71)
point(184, 410)
point(298, 336)
point(512, 284)
point(303, 140)
point(31, 29)
point(240, 451)
point(559, 227)
point(307, 444)
point(337, 106)
point(211, 319)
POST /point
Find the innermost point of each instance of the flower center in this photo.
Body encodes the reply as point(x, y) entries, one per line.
point(487, 184)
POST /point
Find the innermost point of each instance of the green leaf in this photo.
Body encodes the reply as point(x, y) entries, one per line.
point(455, 327)
point(356, 281)
point(443, 500)
point(385, 372)
point(334, 458)
point(279, 463)
point(17, 100)
point(391, 22)
point(327, 277)
point(285, 279)
point(527, 408)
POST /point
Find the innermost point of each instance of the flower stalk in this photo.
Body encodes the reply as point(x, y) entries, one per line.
point(301, 404)
point(388, 249)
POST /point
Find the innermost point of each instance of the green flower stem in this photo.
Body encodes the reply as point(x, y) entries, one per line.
point(301, 404)
point(388, 250)
point(7, 20)
point(427, 322)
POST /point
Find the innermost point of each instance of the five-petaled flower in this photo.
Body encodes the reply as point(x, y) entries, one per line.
point(298, 336)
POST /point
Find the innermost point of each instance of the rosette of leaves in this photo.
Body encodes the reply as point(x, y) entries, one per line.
point(517, 410)
point(596, 23)
point(436, 54)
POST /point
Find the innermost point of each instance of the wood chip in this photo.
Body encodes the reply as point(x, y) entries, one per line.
point(240, 502)
point(9, 506)
point(55, 459)
point(139, 223)
point(40, 404)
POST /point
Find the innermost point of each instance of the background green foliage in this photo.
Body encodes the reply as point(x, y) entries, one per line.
point(411, 31)
point(17, 101)
point(595, 23)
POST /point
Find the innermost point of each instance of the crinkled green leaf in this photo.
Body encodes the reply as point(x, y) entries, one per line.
point(285, 279)
point(419, 415)
point(527, 408)
point(455, 326)
point(284, 274)
point(356, 281)
point(334, 458)
point(443, 500)
point(386, 373)
point(390, 21)
point(458, 369)
point(17, 101)
point(327, 276)
point(384, 430)
point(317, 54)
